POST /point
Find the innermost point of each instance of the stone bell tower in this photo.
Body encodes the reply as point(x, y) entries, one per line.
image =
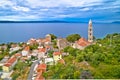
point(90, 31)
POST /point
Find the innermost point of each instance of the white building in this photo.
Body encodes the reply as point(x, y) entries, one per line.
point(49, 61)
point(41, 53)
point(25, 52)
point(14, 49)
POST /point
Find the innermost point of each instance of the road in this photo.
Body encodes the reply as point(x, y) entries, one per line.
point(30, 75)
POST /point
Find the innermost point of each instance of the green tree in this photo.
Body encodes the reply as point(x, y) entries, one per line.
point(76, 74)
point(80, 57)
point(34, 46)
point(73, 37)
point(71, 50)
point(54, 43)
point(50, 53)
point(53, 36)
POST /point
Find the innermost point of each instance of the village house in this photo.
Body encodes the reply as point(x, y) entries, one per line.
point(81, 44)
point(47, 48)
point(18, 55)
point(44, 41)
point(34, 52)
point(49, 61)
point(41, 53)
point(15, 48)
point(28, 56)
point(48, 39)
point(65, 53)
point(41, 68)
point(13, 45)
point(26, 50)
point(2, 62)
point(8, 66)
point(4, 47)
point(62, 43)
point(40, 42)
point(31, 41)
point(57, 56)
point(48, 36)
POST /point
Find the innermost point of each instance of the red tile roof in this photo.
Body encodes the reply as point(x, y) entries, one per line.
point(42, 66)
point(18, 55)
point(56, 53)
point(27, 48)
point(47, 40)
point(10, 61)
point(47, 47)
point(42, 50)
point(7, 64)
point(39, 77)
point(32, 40)
point(39, 73)
point(83, 42)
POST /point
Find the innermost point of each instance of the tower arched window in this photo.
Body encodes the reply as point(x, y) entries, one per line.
point(90, 34)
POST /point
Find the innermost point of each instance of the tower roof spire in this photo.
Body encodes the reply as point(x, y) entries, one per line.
point(90, 21)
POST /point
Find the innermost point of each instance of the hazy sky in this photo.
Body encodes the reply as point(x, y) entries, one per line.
point(68, 10)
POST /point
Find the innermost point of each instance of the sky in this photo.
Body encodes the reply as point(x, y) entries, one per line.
point(65, 10)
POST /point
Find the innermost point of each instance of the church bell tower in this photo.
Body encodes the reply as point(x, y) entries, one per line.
point(90, 31)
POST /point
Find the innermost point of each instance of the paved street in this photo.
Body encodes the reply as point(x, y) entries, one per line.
point(32, 70)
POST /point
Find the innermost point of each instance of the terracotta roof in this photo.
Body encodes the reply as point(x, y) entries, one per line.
point(47, 47)
point(56, 53)
point(32, 40)
point(39, 40)
point(39, 73)
point(47, 40)
point(27, 48)
point(7, 64)
point(42, 66)
point(83, 42)
point(42, 50)
point(10, 61)
point(61, 61)
point(17, 55)
point(39, 77)
point(43, 40)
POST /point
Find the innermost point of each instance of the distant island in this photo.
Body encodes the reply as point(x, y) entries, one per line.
point(116, 22)
point(54, 21)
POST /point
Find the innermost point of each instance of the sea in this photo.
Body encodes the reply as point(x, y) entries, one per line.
point(22, 32)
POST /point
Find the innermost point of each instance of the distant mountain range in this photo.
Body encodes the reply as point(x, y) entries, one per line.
point(41, 22)
point(54, 21)
point(116, 22)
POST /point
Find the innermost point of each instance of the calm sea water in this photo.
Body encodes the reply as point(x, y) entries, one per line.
point(21, 32)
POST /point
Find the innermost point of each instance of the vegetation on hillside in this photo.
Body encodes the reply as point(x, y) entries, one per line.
point(99, 61)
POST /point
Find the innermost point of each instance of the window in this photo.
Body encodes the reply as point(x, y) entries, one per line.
point(90, 29)
point(90, 34)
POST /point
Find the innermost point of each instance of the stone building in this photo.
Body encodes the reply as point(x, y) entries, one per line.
point(90, 32)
